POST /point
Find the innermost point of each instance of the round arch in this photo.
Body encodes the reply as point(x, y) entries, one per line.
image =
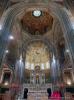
point(46, 42)
point(43, 40)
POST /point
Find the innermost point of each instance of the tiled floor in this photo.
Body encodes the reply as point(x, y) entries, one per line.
point(37, 98)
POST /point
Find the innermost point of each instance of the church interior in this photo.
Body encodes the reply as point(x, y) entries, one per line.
point(36, 49)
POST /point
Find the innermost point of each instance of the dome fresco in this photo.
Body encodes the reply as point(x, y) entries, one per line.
point(37, 22)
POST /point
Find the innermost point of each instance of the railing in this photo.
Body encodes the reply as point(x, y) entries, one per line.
point(37, 86)
point(40, 94)
point(34, 92)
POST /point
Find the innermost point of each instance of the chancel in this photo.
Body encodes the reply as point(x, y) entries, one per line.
point(36, 50)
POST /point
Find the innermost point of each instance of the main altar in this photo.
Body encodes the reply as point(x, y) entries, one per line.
point(37, 76)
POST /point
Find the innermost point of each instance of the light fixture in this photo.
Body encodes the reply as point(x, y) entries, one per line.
point(37, 13)
point(11, 37)
point(73, 25)
point(69, 82)
point(72, 22)
point(21, 58)
point(6, 51)
point(53, 59)
point(6, 83)
point(67, 50)
point(0, 27)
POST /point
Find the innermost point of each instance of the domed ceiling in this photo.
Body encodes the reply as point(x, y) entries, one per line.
point(37, 23)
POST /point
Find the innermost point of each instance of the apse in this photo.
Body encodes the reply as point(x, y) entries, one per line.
point(37, 55)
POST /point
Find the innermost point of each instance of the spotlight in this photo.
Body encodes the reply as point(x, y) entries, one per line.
point(6, 51)
point(0, 26)
point(21, 58)
point(53, 59)
point(73, 26)
point(69, 82)
point(11, 37)
point(67, 50)
point(6, 83)
point(72, 23)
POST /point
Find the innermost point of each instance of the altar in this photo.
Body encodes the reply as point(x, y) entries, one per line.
point(37, 77)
